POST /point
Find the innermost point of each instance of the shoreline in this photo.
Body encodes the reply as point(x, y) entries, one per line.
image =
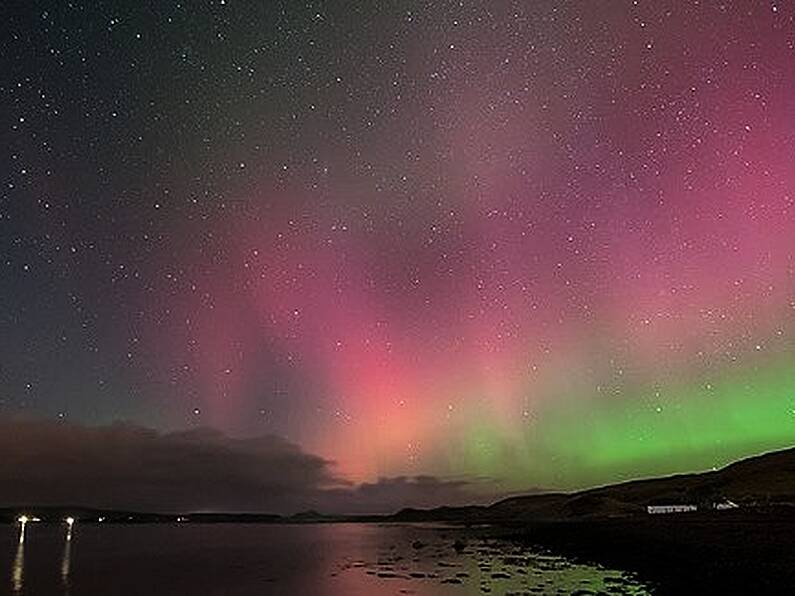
point(680, 553)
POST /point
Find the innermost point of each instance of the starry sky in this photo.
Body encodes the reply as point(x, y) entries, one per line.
point(538, 244)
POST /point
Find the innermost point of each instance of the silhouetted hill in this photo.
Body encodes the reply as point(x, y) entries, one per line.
point(767, 479)
point(760, 480)
point(438, 514)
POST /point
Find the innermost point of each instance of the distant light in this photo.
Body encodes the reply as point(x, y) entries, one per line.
point(70, 520)
point(23, 519)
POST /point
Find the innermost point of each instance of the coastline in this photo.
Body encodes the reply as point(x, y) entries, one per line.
point(706, 553)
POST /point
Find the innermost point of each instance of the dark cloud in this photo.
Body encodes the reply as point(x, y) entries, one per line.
point(131, 467)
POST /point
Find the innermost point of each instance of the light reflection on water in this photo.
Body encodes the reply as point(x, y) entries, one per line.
point(327, 560)
point(66, 560)
point(18, 567)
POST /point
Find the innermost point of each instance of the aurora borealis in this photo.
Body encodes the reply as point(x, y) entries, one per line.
point(530, 244)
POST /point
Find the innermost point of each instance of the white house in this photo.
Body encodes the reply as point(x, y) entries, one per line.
point(670, 508)
point(726, 504)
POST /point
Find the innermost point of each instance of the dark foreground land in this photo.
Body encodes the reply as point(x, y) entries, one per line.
point(747, 550)
point(752, 552)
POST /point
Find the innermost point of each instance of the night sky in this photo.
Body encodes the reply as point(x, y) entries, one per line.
point(529, 244)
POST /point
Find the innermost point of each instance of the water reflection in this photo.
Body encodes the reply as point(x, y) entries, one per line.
point(66, 560)
point(18, 568)
point(323, 560)
point(436, 564)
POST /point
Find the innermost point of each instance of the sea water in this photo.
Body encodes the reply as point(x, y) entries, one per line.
point(265, 559)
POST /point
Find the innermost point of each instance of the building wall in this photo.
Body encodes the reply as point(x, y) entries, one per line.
point(670, 508)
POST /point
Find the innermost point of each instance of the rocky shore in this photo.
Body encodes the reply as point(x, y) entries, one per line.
point(701, 553)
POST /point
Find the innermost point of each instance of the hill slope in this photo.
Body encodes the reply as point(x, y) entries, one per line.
point(768, 478)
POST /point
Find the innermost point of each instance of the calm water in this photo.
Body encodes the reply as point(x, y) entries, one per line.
point(331, 559)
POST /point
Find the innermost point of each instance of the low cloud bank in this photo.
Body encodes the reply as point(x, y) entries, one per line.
point(122, 466)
